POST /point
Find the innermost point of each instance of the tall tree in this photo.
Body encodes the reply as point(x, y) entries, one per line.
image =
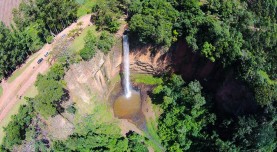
point(152, 21)
point(184, 116)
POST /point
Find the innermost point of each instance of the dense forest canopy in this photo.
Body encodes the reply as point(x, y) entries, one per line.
point(240, 35)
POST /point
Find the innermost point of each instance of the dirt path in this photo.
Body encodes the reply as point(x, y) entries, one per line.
point(12, 91)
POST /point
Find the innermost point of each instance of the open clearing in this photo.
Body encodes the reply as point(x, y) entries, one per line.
point(6, 7)
point(86, 6)
point(79, 42)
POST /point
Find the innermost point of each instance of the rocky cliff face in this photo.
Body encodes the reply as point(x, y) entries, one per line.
point(142, 60)
point(93, 77)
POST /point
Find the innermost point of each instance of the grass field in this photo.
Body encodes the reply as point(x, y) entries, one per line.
point(19, 71)
point(146, 79)
point(79, 42)
point(85, 7)
point(151, 133)
point(31, 92)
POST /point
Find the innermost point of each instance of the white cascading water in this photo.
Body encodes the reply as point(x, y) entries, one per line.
point(127, 86)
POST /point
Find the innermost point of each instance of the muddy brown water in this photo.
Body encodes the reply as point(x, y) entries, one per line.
point(127, 108)
point(130, 109)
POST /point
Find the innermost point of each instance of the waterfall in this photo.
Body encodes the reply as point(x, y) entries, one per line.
point(127, 87)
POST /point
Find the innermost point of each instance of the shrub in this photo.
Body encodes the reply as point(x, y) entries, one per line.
point(106, 41)
point(87, 53)
point(89, 49)
point(71, 109)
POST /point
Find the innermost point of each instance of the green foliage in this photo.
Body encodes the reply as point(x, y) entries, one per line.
point(265, 89)
point(153, 139)
point(106, 41)
point(95, 133)
point(80, 1)
point(16, 129)
point(51, 91)
point(50, 94)
point(36, 23)
point(85, 7)
point(13, 51)
point(265, 138)
point(33, 33)
point(136, 142)
point(79, 41)
point(153, 21)
point(71, 109)
point(53, 16)
point(240, 34)
point(250, 135)
point(49, 39)
point(208, 50)
point(90, 40)
point(187, 125)
point(90, 45)
point(184, 114)
point(107, 14)
point(222, 146)
point(94, 136)
point(56, 72)
point(263, 76)
point(266, 93)
point(147, 79)
point(98, 132)
point(86, 54)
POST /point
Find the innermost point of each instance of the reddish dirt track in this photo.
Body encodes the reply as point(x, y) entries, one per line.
point(11, 91)
point(6, 7)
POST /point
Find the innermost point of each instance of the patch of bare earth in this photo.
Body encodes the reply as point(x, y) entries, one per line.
point(6, 7)
point(60, 127)
point(126, 126)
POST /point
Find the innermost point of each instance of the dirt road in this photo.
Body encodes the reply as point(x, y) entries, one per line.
point(12, 91)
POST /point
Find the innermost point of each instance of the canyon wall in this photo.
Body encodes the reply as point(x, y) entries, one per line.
point(85, 79)
point(93, 77)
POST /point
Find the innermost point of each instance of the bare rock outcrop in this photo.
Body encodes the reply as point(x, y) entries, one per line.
point(86, 78)
point(144, 61)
